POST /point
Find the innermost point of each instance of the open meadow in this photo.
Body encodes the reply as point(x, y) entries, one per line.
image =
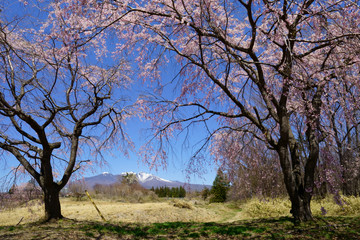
point(265, 93)
point(183, 219)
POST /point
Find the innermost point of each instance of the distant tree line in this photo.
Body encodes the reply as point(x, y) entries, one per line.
point(176, 192)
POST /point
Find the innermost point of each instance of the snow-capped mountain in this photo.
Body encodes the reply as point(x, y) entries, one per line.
point(146, 177)
point(146, 180)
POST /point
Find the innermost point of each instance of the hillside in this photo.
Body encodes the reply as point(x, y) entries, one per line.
point(146, 180)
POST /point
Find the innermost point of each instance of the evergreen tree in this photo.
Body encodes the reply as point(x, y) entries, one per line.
point(175, 192)
point(220, 187)
point(182, 192)
point(167, 192)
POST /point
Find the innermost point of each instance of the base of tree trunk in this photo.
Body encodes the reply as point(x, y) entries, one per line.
point(52, 205)
point(52, 219)
point(301, 211)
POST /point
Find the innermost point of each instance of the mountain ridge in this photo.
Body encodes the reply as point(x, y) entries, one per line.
point(146, 180)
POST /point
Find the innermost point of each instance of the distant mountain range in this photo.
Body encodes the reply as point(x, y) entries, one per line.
point(145, 179)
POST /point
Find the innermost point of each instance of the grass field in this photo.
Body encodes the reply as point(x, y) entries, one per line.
point(180, 219)
point(121, 212)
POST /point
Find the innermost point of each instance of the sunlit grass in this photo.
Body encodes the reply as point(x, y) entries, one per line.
point(266, 208)
point(179, 210)
point(113, 211)
point(280, 207)
point(350, 206)
point(26, 214)
point(184, 219)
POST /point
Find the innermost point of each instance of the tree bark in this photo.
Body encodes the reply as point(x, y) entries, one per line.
point(294, 182)
point(51, 190)
point(298, 174)
point(300, 208)
point(52, 203)
point(294, 179)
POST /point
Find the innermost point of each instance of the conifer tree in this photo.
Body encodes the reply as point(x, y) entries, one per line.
point(220, 187)
point(182, 192)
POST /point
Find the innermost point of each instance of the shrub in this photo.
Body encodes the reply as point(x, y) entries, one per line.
point(205, 193)
point(182, 204)
point(265, 208)
point(349, 205)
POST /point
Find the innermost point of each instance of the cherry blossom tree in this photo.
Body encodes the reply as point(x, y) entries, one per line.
point(254, 170)
point(56, 97)
point(344, 124)
point(270, 69)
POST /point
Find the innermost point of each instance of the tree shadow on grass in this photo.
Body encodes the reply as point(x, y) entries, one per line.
point(272, 228)
point(180, 230)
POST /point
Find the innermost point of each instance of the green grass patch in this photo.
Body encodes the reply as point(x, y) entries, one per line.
point(266, 228)
point(89, 234)
point(11, 228)
point(179, 229)
point(271, 228)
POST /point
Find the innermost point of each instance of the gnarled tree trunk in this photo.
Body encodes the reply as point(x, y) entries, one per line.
point(295, 178)
point(52, 203)
point(298, 175)
point(50, 188)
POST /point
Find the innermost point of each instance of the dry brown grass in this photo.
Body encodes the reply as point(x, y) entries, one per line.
point(24, 213)
point(116, 212)
point(135, 212)
point(175, 211)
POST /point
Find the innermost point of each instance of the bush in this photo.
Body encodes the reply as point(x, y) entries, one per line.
point(329, 206)
point(205, 193)
point(182, 204)
point(265, 208)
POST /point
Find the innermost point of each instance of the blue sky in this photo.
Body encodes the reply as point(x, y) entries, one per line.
point(116, 161)
point(137, 129)
point(182, 148)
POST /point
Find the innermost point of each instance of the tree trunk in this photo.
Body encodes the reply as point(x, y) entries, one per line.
point(294, 181)
point(299, 179)
point(52, 203)
point(298, 174)
point(300, 208)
